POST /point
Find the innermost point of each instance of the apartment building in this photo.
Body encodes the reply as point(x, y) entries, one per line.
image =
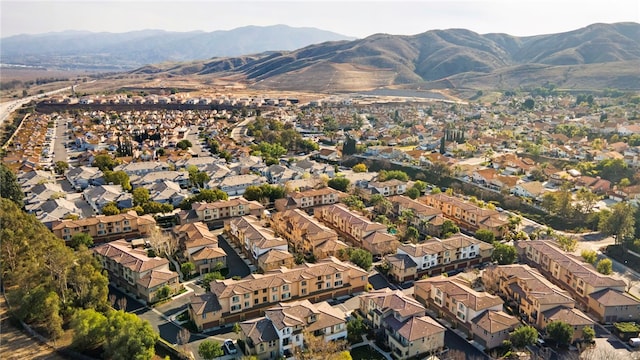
point(581, 280)
point(357, 229)
point(199, 246)
point(428, 220)
point(215, 213)
point(305, 234)
point(403, 323)
point(238, 300)
point(435, 256)
point(479, 314)
point(103, 228)
point(134, 271)
point(309, 199)
point(255, 240)
point(536, 299)
point(468, 216)
point(387, 188)
point(283, 328)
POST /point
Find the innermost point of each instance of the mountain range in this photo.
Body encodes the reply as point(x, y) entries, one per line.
point(594, 57)
point(597, 56)
point(126, 51)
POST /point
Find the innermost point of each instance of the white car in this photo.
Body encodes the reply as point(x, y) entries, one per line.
point(230, 347)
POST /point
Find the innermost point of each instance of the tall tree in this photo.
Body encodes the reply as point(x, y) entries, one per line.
point(560, 331)
point(210, 350)
point(129, 337)
point(523, 336)
point(620, 223)
point(9, 187)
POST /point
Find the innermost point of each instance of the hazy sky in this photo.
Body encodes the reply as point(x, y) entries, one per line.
point(350, 17)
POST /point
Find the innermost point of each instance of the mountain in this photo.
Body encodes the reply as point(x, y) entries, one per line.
point(597, 56)
point(78, 49)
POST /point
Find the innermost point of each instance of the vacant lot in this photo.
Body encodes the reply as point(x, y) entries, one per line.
point(15, 344)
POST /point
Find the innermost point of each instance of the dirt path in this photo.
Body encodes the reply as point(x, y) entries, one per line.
point(15, 344)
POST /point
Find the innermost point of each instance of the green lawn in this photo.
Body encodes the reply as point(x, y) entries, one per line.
point(365, 352)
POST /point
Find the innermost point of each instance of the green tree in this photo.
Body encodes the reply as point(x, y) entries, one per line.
point(413, 193)
point(523, 336)
point(209, 277)
point(187, 268)
point(362, 258)
point(589, 256)
point(9, 187)
point(567, 243)
point(117, 178)
point(89, 327)
point(60, 167)
point(355, 329)
point(81, 239)
point(412, 234)
point(359, 168)
point(184, 144)
point(504, 254)
point(485, 235)
point(205, 195)
point(129, 337)
point(104, 162)
point(210, 350)
point(560, 331)
point(588, 333)
point(620, 223)
point(449, 228)
point(164, 292)
point(339, 183)
point(529, 104)
point(141, 196)
point(385, 175)
point(605, 266)
point(110, 209)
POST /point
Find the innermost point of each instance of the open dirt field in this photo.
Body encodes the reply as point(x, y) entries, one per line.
point(15, 344)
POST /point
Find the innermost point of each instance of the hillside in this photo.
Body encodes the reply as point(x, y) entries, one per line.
point(597, 56)
point(126, 51)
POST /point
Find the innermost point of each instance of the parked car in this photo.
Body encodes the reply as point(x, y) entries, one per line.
point(230, 347)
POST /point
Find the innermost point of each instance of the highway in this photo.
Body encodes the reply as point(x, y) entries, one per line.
point(6, 108)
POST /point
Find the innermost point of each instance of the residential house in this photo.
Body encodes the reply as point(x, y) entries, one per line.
point(388, 188)
point(358, 229)
point(283, 328)
point(99, 196)
point(149, 179)
point(216, 212)
point(573, 275)
point(104, 228)
point(231, 300)
point(426, 219)
point(83, 176)
point(30, 179)
point(142, 167)
point(309, 199)
point(166, 192)
point(54, 210)
point(477, 313)
point(200, 247)
point(403, 323)
point(305, 234)
point(531, 190)
point(133, 270)
point(275, 259)
point(575, 318)
point(467, 215)
point(596, 184)
point(236, 184)
point(609, 306)
point(435, 256)
point(254, 238)
point(527, 291)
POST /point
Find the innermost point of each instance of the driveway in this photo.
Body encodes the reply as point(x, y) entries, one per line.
point(454, 342)
point(237, 266)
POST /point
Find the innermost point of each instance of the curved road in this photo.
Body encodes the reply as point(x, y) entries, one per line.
point(6, 108)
